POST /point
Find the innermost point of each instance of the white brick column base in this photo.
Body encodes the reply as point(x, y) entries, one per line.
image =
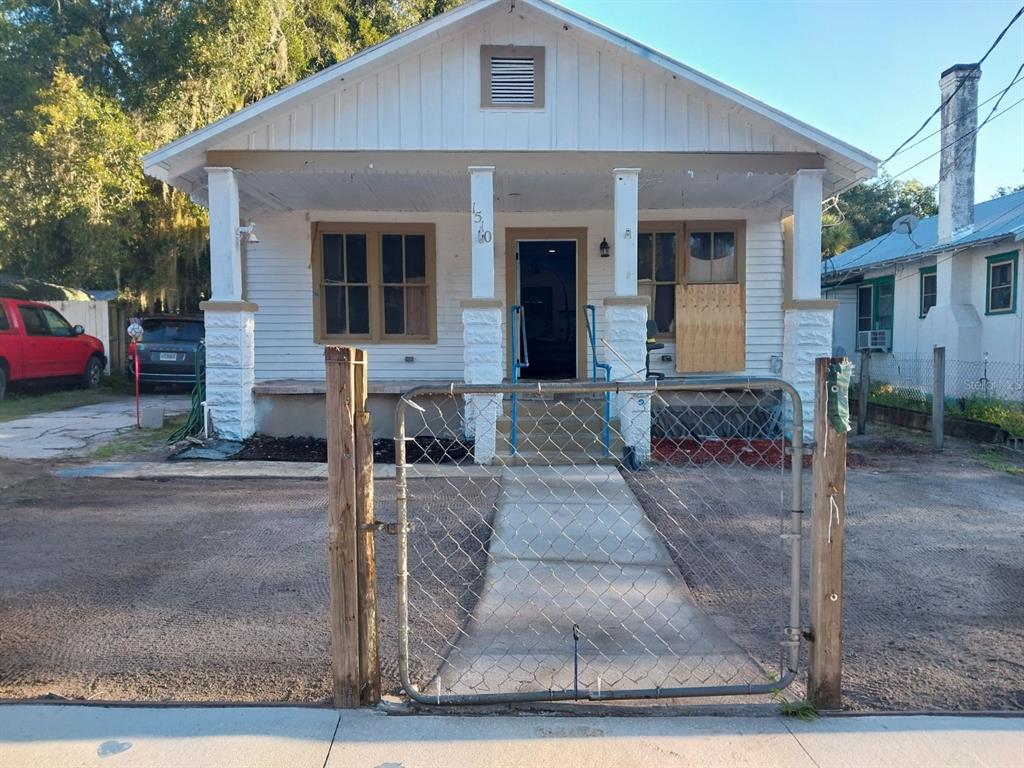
point(807, 336)
point(626, 334)
point(483, 363)
point(230, 369)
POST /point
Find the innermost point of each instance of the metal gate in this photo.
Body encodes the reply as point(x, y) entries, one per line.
point(590, 541)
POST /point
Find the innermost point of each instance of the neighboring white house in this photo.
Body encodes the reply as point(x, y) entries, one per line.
point(505, 154)
point(952, 280)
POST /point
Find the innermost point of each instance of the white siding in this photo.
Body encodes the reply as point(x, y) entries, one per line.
point(280, 282)
point(597, 96)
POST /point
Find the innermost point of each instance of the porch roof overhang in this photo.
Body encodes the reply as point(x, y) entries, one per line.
point(431, 181)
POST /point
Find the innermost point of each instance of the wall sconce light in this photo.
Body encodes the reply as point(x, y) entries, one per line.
point(605, 249)
point(247, 234)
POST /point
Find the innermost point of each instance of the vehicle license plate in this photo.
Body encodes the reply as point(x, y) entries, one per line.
point(168, 357)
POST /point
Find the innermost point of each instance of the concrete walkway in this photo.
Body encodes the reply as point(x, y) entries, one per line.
point(32, 736)
point(78, 431)
point(572, 547)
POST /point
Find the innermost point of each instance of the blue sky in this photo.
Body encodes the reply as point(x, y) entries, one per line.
point(866, 72)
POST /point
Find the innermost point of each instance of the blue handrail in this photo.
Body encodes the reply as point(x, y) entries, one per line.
point(517, 326)
point(591, 314)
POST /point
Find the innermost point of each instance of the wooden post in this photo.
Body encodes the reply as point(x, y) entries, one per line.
point(938, 397)
point(864, 391)
point(828, 519)
point(369, 663)
point(341, 530)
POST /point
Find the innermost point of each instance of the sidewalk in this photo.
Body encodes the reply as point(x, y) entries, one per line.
point(58, 736)
point(572, 547)
point(77, 431)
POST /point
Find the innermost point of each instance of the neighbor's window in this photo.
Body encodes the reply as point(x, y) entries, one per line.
point(1001, 293)
point(929, 289)
point(876, 305)
point(712, 257)
point(512, 76)
point(656, 277)
point(865, 307)
point(375, 282)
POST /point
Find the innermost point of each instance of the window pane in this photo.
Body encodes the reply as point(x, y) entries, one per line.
point(665, 308)
point(883, 319)
point(928, 292)
point(724, 267)
point(864, 299)
point(334, 310)
point(394, 310)
point(33, 322)
point(699, 265)
point(359, 309)
point(415, 259)
point(1001, 275)
point(391, 256)
point(417, 321)
point(648, 290)
point(645, 257)
point(4, 324)
point(333, 269)
point(1001, 298)
point(57, 324)
point(355, 256)
point(666, 261)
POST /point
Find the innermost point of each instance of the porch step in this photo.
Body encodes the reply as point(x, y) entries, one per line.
point(545, 459)
point(556, 409)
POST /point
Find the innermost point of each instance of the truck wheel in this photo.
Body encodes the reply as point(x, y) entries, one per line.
point(93, 373)
point(3, 382)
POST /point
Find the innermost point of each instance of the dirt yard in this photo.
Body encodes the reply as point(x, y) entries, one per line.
point(204, 590)
point(934, 598)
point(217, 590)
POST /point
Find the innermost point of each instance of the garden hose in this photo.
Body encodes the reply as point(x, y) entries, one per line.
point(194, 422)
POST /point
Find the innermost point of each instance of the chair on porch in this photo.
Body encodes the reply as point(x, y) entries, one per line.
point(652, 345)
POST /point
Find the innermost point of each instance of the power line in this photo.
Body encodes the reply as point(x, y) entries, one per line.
point(960, 85)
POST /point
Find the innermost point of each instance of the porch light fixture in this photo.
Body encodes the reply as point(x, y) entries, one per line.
point(247, 234)
point(605, 250)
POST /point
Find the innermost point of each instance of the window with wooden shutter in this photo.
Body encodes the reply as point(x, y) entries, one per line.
point(710, 301)
point(511, 76)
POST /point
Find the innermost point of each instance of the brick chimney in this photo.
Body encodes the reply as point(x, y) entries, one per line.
point(959, 95)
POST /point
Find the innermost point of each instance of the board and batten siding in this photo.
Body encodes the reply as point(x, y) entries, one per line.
point(279, 280)
point(597, 97)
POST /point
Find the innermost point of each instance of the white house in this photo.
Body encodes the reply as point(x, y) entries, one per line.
point(505, 154)
point(953, 279)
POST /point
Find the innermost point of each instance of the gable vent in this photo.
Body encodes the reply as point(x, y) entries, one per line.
point(513, 76)
point(513, 81)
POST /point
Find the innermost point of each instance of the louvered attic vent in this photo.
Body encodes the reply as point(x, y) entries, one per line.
point(513, 76)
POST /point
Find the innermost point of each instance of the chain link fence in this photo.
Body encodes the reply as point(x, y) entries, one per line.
point(984, 391)
point(598, 541)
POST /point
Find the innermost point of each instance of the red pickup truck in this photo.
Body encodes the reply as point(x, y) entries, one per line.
point(36, 342)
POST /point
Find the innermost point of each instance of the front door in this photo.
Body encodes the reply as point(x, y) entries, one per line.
point(547, 294)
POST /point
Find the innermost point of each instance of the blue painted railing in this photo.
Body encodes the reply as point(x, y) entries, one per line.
point(591, 315)
point(517, 326)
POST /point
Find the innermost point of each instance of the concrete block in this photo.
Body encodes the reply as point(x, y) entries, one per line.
point(152, 417)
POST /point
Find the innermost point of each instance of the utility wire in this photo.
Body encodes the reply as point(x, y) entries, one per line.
point(949, 98)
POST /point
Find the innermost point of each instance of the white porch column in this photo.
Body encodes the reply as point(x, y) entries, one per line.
point(230, 320)
point(807, 332)
point(482, 315)
point(626, 318)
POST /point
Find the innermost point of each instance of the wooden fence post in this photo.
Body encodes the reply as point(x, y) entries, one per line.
point(864, 391)
point(827, 522)
point(938, 397)
point(341, 521)
point(366, 563)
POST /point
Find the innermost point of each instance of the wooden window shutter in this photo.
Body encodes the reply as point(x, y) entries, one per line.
point(710, 328)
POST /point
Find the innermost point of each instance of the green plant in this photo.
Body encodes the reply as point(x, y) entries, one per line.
point(802, 710)
point(883, 393)
point(1007, 414)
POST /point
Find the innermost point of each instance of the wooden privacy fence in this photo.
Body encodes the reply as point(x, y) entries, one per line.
point(350, 527)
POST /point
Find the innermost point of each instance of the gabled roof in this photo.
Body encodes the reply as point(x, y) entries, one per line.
point(857, 164)
point(998, 219)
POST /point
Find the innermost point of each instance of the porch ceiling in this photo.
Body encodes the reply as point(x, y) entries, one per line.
point(523, 182)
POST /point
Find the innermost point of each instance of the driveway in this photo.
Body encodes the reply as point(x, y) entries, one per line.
point(78, 431)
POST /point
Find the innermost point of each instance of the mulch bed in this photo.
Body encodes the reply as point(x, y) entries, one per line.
point(426, 450)
point(680, 451)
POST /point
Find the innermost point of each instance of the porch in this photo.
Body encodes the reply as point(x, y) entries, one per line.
point(591, 229)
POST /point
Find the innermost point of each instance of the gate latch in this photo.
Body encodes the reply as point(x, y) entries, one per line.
point(392, 529)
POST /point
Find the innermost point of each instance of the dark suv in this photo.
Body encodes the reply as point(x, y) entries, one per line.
point(168, 351)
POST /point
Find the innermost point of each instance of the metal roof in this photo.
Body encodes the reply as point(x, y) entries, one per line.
point(994, 220)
